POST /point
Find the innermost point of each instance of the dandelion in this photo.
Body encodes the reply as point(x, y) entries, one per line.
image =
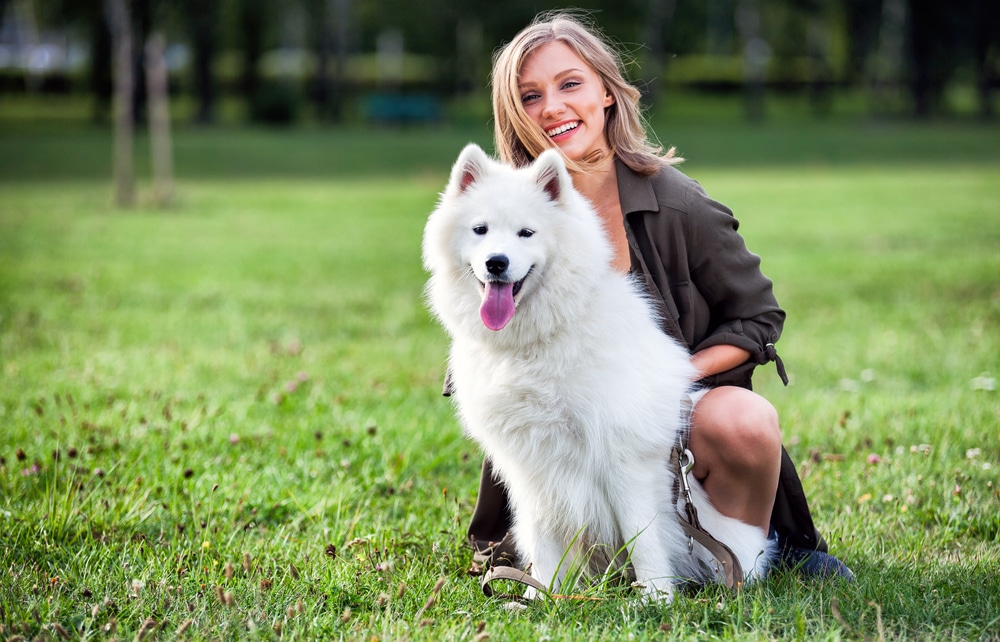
point(864, 498)
point(972, 453)
point(206, 545)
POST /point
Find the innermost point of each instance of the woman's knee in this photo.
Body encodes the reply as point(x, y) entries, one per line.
point(740, 424)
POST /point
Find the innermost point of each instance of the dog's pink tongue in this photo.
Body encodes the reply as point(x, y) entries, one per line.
point(498, 305)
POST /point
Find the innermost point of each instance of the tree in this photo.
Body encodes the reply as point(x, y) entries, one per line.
point(201, 18)
point(121, 37)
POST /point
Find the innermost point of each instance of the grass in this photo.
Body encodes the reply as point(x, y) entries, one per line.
point(224, 418)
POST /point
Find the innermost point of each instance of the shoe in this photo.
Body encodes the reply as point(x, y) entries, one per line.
point(810, 564)
point(813, 564)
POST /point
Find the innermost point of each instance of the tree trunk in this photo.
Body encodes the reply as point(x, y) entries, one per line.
point(203, 21)
point(121, 38)
point(756, 54)
point(252, 30)
point(158, 94)
point(338, 87)
point(660, 15)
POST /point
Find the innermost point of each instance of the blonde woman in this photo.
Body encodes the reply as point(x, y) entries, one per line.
point(559, 84)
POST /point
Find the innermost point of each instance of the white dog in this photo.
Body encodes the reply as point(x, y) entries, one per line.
point(563, 376)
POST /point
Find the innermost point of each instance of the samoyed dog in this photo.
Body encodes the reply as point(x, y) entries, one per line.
point(563, 376)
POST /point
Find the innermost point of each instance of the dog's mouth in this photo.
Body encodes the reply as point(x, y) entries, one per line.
point(499, 302)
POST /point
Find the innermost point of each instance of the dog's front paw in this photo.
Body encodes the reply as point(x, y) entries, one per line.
point(655, 592)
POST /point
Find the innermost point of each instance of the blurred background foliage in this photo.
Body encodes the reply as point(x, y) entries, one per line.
point(406, 62)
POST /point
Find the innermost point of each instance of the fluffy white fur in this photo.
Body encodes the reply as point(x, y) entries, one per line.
point(577, 399)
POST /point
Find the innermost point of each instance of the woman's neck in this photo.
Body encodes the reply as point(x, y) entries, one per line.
point(599, 185)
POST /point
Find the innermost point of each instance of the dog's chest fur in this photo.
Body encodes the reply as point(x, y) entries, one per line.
point(561, 418)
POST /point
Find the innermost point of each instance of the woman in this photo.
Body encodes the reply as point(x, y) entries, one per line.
point(558, 84)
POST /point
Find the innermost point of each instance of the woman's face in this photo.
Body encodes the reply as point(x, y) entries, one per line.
point(566, 98)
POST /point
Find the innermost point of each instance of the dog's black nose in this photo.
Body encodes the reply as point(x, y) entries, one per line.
point(497, 264)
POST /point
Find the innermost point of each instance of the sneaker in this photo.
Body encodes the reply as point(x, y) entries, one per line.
point(810, 564)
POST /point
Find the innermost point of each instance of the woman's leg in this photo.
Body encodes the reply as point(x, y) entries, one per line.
point(736, 442)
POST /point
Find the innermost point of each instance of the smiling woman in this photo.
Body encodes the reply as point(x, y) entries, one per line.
point(558, 84)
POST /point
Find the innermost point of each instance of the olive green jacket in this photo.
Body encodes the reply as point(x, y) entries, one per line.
point(707, 284)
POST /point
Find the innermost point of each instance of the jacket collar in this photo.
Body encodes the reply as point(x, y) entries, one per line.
point(635, 192)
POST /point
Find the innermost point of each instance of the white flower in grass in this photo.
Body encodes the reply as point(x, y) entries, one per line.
point(868, 375)
point(972, 453)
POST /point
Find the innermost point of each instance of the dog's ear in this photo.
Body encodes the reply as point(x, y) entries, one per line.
point(471, 166)
point(551, 174)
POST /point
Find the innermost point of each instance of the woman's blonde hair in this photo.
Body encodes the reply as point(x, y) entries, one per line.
point(519, 140)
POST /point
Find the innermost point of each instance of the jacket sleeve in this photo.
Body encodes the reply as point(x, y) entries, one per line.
point(740, 299)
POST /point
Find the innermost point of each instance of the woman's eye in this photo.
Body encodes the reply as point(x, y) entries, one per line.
point(525, 233)
point(570, 84)
point(480, 230)
point(527, 98)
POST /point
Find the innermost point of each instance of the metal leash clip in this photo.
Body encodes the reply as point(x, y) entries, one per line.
point(686, 463)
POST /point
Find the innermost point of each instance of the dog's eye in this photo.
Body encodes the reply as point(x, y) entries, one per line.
point(480, 230)
point(526, 233)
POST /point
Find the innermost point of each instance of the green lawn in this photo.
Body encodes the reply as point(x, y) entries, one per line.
point(225, 417)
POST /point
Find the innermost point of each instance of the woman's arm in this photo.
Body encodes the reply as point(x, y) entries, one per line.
point(718, 358)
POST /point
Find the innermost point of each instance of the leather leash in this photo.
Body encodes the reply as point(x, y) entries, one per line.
point(682, 460)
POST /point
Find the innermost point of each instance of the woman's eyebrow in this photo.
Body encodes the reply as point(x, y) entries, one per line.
point(561, 74)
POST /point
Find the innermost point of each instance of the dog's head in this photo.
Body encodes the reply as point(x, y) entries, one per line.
point(498, 232)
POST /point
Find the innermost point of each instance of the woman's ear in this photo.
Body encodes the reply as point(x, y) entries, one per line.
point(609, 99)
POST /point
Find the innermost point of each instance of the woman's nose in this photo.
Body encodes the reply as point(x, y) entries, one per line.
point(552, 106)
